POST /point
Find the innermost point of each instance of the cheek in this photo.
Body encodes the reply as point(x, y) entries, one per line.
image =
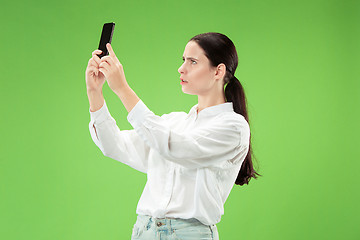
point(203, 81)
point(200, 76)
point(199, 84)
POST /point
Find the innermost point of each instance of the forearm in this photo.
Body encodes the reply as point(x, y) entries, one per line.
point(96, 100)
point(128, 97)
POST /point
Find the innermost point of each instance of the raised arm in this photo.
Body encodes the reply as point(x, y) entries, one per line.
point(122, 145)
point(113, 71)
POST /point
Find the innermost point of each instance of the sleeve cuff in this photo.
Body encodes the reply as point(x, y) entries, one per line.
point(100, 115)
point(137, 115)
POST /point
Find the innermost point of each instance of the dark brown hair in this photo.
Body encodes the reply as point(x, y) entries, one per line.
point(218, 49)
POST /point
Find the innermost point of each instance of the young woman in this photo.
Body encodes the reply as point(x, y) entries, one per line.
point(192, 160)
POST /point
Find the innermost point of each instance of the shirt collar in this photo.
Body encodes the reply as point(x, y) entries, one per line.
point(213, 110)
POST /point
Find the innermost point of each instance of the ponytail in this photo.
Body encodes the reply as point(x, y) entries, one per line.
point(234, 93)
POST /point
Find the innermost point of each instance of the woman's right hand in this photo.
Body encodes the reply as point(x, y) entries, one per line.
point(94, 78)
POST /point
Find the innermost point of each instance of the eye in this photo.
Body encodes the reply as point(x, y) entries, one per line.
point(193, 61)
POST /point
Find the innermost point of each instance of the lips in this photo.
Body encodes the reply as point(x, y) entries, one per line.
point(183, 80)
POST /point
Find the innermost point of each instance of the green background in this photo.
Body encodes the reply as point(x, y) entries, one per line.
point(299, 65)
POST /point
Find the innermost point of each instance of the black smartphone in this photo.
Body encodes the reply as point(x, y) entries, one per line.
point(106, 37)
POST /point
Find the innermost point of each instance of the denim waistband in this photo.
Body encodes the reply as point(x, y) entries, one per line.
point(177, 223)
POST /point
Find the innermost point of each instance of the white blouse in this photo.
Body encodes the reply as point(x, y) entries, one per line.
point(191, 160)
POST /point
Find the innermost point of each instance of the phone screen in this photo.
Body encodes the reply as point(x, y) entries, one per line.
point(106, 36)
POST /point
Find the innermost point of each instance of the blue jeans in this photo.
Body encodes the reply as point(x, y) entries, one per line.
point(149, 228)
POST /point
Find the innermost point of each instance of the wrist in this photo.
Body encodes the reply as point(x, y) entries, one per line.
point(96, 99)
point(128, 97)
point(94, 91)
point(123, 90)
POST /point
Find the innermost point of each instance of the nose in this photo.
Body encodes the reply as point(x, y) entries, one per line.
point(180, 70)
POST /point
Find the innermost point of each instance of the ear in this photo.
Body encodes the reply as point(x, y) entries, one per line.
point(220, 71)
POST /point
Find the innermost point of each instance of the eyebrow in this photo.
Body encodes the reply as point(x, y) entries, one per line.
point(190, 58)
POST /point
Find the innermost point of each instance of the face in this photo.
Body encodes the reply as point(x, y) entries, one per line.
point(196, 71)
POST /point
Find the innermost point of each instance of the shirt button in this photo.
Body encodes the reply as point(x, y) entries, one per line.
point(159, 224)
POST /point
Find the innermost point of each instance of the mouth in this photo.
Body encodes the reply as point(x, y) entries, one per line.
point(182, 80)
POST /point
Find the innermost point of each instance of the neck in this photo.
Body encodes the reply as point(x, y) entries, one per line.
point(209, 100)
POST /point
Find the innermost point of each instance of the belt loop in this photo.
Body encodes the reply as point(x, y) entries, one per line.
point(149, 222)
point(212, 231)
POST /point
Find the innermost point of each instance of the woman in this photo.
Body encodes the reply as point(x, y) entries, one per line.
point(192, 160)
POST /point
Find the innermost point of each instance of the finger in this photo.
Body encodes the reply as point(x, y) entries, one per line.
point(97, 51)
point(95, 55)
point(104, 65)
point(91, 62)
point(96, 59)
point(111, 51)
point(94, 62)
point(93, 70)
point(103, 71)
point(108, 59)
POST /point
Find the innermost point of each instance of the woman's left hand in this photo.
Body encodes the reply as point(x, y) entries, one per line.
point(113, 70)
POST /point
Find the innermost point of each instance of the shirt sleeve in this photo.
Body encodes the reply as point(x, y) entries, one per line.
point(122, 145)
point(216, 143)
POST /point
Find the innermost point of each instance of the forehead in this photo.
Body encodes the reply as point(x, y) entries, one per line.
point(192, 49)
